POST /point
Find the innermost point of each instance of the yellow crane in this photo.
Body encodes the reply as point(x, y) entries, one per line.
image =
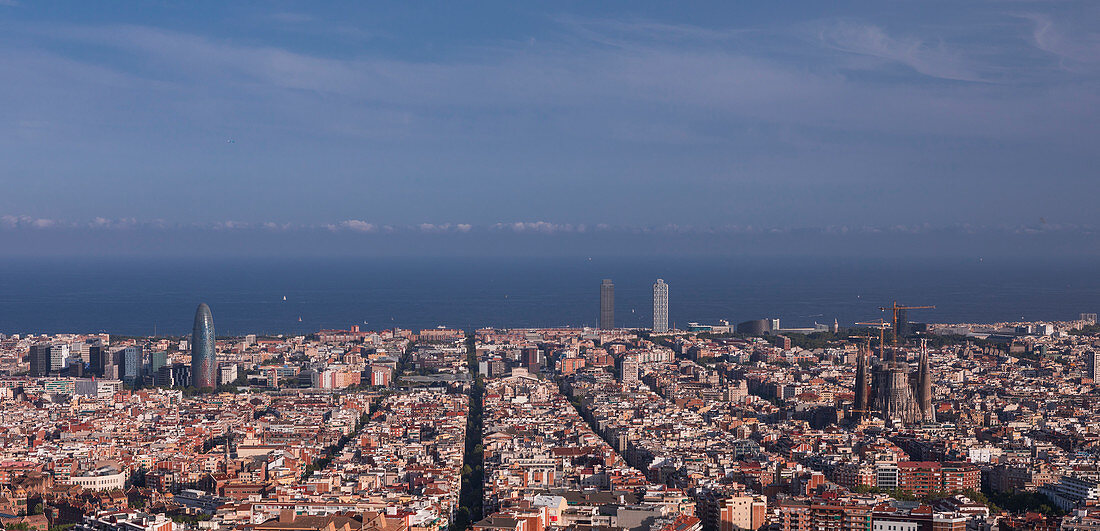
point(883, 325)
point(897, 326)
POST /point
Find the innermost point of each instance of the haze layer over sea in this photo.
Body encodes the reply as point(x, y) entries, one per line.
point(137, 297)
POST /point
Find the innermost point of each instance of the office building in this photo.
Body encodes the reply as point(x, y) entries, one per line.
point(531, 359)
point(156, 361)
point(660, 307)
point(227, 374)
point(130, 359)
point(204, 361)
point(98, 359)
point(175, 375)
point(607, 304)
point(59, 353)
point(39, 357)
point(1092, 364)
point(628, 368)
point(74, 367)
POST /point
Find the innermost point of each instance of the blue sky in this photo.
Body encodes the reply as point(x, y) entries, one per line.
point(549, 117)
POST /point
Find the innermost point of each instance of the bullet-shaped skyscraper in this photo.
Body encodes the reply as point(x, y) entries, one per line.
point(660, 307)
point(607, 304)
point(204, 362)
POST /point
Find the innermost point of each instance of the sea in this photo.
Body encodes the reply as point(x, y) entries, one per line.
point(142, 297)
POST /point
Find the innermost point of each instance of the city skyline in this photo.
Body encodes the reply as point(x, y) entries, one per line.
point(847, 259)
point(508, 419)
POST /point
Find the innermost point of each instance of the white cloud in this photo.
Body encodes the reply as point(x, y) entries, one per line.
point(120, 223)
point(931, 59)
point(608, 99)
point(431, 227)
point(24, 222)
point(537, 226)
point(231, 225)
point(357, 225)
point(17, 222)
point(1076, 51)
point(42, 223)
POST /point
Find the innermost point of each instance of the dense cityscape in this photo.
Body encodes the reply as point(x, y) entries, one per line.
point(287, 265)
point(888, 425)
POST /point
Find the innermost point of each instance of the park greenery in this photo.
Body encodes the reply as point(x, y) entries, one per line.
point(1086, 330)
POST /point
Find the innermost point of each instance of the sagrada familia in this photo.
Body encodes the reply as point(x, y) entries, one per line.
point(891, 392)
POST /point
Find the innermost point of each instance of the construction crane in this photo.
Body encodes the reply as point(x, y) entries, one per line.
point(882, 325)
point(897, 326)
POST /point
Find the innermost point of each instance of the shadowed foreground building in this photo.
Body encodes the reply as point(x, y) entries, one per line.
point(204, 361)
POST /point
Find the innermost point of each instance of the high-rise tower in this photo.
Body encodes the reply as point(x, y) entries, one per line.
point(1092, 364)
point(660, 307)
point(901, 325)
point(98, 359)
point(607, 304)
point(39, 358)
point(204, 362)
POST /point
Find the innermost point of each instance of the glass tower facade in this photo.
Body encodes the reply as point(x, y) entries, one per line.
point(204, 362)
point(607, 304)
point(660, 307)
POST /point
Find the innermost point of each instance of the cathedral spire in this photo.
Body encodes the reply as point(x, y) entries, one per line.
point(862, 389)
point(924, 385)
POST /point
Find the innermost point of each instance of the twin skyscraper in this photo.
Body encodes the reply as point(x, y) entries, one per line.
point(660, 306)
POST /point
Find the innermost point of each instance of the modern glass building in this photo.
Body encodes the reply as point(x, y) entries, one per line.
point(607, 304)
point(40, 359)
point(131, 361)
point(98, 358)
point(204, 361)
point(660, 307)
